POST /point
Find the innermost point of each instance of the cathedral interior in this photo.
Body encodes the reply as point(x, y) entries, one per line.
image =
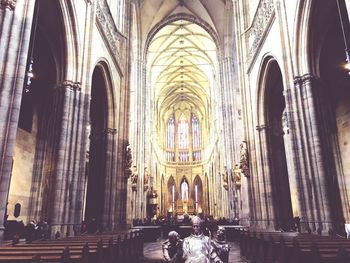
point(118, 113)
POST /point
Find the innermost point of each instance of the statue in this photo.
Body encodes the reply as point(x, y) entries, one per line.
point(128, 161)
point(197, 248)
point(146, 179)
point(172, 248)
point(244, 159)
point(134, 178)
point(184, 191)
point(237, 173)
point(220, 245)
point(225, 178)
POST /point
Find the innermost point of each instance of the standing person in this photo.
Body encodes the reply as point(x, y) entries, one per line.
point(172, 248)
point(197, 248)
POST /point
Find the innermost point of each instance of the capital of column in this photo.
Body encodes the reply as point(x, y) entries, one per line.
point(71, 85)
point(307, 78)
point(9, 4)
point(262, 127)
point(297, 80)
point(111, 131)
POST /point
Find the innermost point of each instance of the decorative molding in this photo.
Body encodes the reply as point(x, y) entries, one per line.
point(111, 131)
point(71, 85)
point(257, 31)
point(262, 127)
point(307, 78)
point(9, 4)
point(108, 29)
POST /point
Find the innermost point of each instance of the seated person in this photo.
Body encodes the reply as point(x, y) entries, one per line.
point(172, 248)
point(220, 245)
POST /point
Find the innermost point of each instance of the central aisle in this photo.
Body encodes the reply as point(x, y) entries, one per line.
point(153, 253)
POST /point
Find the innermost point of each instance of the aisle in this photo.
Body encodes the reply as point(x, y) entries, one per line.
point(153, 253)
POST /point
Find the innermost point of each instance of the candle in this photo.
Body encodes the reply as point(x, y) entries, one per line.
point(196, 192)
point(173, 193)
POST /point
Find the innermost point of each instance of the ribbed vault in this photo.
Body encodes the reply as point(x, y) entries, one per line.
point(182, 60)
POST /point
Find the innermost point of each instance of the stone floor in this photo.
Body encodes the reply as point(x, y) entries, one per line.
point(153, 253)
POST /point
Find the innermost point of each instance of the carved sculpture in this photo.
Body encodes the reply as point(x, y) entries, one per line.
point(146, 179)
point(134, 178)
point(237, 175)
point(244, 159)
point(225, 178)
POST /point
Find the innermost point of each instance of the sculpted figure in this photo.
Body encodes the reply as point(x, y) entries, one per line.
point(220, 245)
point(146, 179)
point(134, 178)
point(244, 159)
point(237, 172)
point(172, 248)
point(225, 178)
point(197, 248)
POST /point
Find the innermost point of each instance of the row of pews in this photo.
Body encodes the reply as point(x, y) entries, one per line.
point(100, 248)
point(291, 247)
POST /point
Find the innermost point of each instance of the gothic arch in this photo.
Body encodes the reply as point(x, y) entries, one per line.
point(172, 194)
point(199, 195)
point(37, 113)
point(101, 168)
point(186, 17)
point(72, 41)
point(272, 150)
point(105, 69)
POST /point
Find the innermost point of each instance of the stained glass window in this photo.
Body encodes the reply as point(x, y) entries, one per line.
point(195, 132)
point(183, 132)
point(170, 139)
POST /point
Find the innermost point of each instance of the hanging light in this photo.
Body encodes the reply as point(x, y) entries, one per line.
point(30, 76)
point(347, 53)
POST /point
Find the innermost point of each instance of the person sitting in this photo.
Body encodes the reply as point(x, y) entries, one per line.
point(220, 245)
point(172, 248)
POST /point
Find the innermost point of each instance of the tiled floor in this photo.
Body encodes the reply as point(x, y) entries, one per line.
point(153, 253)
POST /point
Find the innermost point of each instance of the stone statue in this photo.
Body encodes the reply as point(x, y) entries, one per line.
point(146, 179)
point(237, 175)
point(220, 245)
point(134, 178)
point(184, 191)
point(225, 178)
point(172, 248)
point(244, 159)
point(197, 248)
point(128, 161)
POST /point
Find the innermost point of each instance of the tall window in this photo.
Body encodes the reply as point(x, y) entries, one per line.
point(170, 136)
point(196, 139)
point(183, 132)
point(182, 139)
point(195, 132)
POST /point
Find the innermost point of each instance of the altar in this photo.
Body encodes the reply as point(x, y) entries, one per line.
point(185, 207)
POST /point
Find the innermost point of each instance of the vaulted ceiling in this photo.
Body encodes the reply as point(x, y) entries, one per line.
point(211, 12)
point(182, 55)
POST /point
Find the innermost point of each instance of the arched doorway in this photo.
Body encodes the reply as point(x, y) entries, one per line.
point(274, 103)
point(34, 162)
point(96, 167)
point(334, 102)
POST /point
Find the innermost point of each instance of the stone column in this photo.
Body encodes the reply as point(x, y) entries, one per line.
point(268, 216)
point(111, 186)
point(308, 156)
point(292, 100)
point(70, 154)
point(315, 150)
point(15, 30)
